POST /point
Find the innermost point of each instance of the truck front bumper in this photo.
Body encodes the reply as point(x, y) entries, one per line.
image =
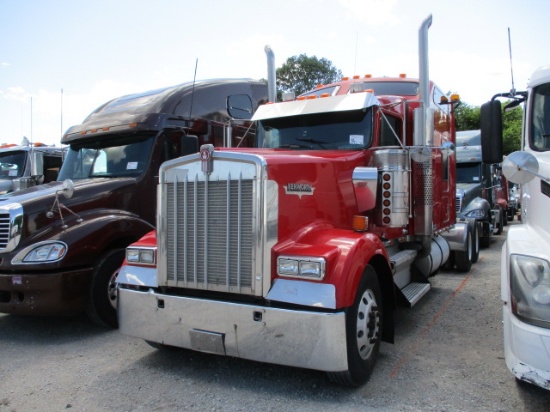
point(46, 294)
point(300, 338)
point(526, 350)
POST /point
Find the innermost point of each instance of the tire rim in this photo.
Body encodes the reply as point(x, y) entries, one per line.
point(112, 292)
point(368, 324)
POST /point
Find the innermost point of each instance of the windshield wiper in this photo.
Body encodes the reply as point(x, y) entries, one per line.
point(293, 146)
point(320, 143)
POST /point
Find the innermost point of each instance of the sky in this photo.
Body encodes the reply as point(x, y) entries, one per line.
point(61, 59)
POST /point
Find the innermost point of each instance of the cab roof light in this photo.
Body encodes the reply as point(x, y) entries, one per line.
point(356, 87)
point(345, 79)
point(312, 97)
point(301, 98)
point(455, 97)
point(289, 96)
point(368, 76)
point(402, 76)
point(323, 95)
point(319, 86)
point(356, 77)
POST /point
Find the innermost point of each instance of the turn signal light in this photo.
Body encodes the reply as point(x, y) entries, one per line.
point(360, 223)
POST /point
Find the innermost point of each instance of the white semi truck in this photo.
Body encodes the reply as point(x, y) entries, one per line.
point(525, 266)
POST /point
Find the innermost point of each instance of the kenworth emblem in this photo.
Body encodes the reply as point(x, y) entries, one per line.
point(206, 153)
point(299, 189)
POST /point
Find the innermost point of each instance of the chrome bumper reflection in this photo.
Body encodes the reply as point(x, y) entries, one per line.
point(286, 337)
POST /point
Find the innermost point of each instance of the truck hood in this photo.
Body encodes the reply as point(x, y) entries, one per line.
point(6, 185)
point(88, 194)
point(469, 189)
point(314, 185)
point(470, 195)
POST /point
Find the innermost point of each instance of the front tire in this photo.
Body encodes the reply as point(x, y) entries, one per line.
point(363, 332)
point(102, 300)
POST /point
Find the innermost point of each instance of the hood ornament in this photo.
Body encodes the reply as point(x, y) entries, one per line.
point(206, 155)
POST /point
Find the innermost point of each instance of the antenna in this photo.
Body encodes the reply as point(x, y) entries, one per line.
point(356, 45)
point(61, 112)
point(31, 120)
point(193, 91)
point(513, 91)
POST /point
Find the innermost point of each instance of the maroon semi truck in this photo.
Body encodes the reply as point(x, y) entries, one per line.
point(61, 243)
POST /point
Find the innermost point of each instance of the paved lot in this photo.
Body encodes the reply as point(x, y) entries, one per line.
point(447, 357)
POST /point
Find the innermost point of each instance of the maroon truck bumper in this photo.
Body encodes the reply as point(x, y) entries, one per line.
point(43, 294)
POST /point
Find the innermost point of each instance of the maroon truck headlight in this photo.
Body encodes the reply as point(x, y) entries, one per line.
point(43, 252)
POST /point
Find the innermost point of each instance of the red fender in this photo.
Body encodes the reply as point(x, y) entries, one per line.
point(347, 254)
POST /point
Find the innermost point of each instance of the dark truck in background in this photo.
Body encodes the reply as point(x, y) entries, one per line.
point(477, 186)
point(28, 164)
point(61, 243)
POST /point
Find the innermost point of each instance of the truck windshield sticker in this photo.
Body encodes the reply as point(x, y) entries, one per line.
point(12, 173)
point(131, 166)
point(356, 139)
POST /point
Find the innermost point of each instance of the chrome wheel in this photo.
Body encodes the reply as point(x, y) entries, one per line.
point(368, 324)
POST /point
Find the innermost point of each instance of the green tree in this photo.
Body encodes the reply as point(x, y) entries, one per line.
point(468, 118)
point(302, 73)
point(511, 130)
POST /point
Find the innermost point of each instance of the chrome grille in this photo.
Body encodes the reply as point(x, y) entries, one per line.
point(217, 223)
point(209, 234)
point(458, 204)
point(4, 229)
point(11, 226)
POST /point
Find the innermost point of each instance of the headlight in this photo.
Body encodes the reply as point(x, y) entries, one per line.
point(143, 256)
point(45, 252)
point(476, 213)
point(530, 289)
point(301, 267)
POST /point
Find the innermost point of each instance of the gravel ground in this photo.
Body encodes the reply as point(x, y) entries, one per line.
point(448, 356)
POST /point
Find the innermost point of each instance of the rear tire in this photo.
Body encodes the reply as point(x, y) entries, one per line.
point(463, 259)
point(475, 242)
point(363, 332)
point(102, 301)
point(500, 224)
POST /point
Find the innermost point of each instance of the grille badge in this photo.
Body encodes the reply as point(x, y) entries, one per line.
point(206, 156)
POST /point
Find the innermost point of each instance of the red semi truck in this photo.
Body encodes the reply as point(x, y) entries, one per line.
point(297, 252)
point(61, 243)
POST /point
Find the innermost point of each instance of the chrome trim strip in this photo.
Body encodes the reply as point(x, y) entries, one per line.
point(138, 276)
point(299, 292)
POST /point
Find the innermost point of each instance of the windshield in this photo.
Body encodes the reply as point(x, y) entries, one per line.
point(126, 156)
point(12, 164)
point(540, 118)
point(468, 172)
point(320, 131)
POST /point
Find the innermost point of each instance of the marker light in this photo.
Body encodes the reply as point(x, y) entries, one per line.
point(360, 223)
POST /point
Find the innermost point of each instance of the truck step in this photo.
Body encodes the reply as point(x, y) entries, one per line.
point(402, 262)
point(414, 291)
